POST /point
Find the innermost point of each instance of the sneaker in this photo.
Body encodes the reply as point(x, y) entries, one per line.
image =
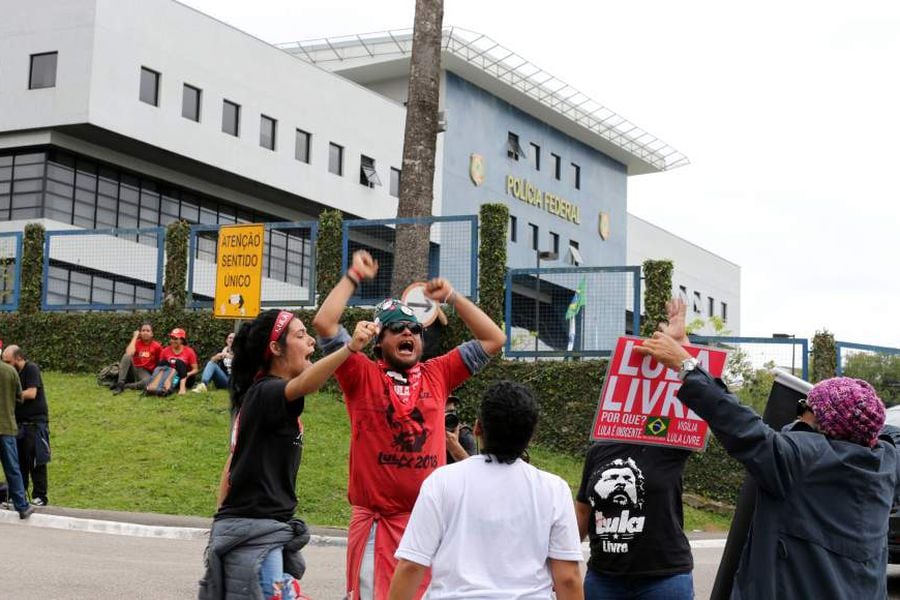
point(39, 502)
point(118, 389)
point(199, 388)
point(24, 514)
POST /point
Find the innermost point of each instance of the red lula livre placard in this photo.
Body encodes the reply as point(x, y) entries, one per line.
point(638, 403)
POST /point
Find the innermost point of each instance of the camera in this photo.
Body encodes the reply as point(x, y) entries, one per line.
point(451, 421)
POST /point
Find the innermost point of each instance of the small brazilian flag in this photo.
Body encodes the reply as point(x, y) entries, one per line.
point(656, 426)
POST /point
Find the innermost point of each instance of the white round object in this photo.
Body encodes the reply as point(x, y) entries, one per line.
point(424, 308)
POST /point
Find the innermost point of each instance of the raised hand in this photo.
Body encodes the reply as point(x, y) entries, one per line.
point(664, 349)
point(676, 311)
point(364, 265)
point(362, 335)
point(438, 289)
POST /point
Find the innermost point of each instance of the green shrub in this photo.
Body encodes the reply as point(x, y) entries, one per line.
point(494, 221)
point(175, 282)
point(329, 247)
point(657, 291)
point(824, 356)
point(32, 268)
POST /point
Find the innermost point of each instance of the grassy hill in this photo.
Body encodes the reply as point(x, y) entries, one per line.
point(165, 455)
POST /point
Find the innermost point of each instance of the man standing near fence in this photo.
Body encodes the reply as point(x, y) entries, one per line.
point(396, 410)
point(34, 428)
point(10, 395)
point(139, 360)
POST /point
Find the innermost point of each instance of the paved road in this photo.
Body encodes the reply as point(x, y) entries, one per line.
point(76, 565)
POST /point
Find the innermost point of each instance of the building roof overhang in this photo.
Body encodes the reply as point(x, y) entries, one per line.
point(482, 61)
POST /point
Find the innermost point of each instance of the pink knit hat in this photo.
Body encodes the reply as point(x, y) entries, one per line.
point(847, 409)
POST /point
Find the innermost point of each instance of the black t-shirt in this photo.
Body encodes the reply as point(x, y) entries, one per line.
point(636, 520)
point(268, 442)
point(32, 411)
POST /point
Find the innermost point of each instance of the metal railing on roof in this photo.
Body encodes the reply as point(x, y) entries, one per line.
point(510, 68)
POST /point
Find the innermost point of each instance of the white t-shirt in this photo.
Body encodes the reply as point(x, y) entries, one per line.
point(486, 529)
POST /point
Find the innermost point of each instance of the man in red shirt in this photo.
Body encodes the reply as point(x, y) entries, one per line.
point(180, 357)
point(139, 360)
point(396, 410)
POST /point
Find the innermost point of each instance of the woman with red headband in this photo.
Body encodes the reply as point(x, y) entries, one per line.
point(255, 541)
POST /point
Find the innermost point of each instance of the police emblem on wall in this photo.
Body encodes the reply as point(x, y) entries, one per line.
point(603, 226)
point(476, 168)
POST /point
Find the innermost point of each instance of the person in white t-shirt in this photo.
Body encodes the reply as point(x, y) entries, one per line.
point(493, 526)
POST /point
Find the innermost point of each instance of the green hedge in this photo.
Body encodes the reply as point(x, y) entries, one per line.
point(494, 219)
point(32, 268)
point(175, 281)
point(824, 356)
point(657, 291)
point(329, 247)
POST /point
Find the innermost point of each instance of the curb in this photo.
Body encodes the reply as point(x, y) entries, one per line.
point(164, 532)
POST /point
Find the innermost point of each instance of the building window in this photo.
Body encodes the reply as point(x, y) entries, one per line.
point(513, 228)
point(682, 293)
point(554, 242)
point(513, 149)
point(190, 103)
point(231, 118)
point(301, 147)
point(335, 159)
point(698, 303)
point(575, 257)
point(724, 312)
point(43, 71)
point(711, 306)
point(576, 176)
point(557, 166)
point(395, 182)
point(535, 235)
point(149, 86)
point(536, 157)
point(267, 127)
point(367, 175)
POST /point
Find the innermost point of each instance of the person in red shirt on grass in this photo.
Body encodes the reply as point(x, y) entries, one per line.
point(139, 360)
point(396, 410)
point(180, 357)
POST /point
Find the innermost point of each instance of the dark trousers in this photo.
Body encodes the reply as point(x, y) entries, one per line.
point(130, 376)
point(31, 453)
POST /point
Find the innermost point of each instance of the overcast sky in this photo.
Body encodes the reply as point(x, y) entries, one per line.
point(788, 111)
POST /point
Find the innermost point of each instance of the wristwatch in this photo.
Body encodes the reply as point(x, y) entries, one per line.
point(687, 365)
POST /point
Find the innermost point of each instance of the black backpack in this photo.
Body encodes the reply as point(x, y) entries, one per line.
point(108, 375)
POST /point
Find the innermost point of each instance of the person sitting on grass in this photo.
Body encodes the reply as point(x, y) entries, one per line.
point(218, 368)
point(180, 357)
point(254, 545)
point(140, 358)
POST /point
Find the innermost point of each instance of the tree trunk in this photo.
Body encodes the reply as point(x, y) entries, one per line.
point(420, 138)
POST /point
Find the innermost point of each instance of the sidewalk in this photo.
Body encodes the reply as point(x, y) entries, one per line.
point(188, 528)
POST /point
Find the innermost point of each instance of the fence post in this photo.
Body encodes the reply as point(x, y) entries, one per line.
point(492, 260)
point(658, 280)
point(32, 269)
point(329, 248)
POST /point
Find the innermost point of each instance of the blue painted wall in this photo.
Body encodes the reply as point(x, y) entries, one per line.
point(479, 123)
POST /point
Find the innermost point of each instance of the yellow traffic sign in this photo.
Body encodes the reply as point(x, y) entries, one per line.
point(239, 271)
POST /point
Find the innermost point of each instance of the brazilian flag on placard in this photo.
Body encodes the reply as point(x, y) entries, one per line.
point(656, 426)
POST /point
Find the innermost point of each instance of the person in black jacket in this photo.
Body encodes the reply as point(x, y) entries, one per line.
point(821, 520)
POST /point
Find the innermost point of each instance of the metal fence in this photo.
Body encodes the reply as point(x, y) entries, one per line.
point(452, 252)
point(10, 270)
point(537, 302)
point(790, 354)
point(289, 264)
point(103, 269)
point(845, 350)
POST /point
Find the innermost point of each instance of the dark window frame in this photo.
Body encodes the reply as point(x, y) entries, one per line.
point(338, 168)
point(157, 80)
point(557, 166)
point(536, 156)
point(396, 174)
point(272, 123)
point(576, 176)
point(306, 138)
point(236, 121)
point(195, 105)
point(535, 236)
point(513, 228)
point(367, 174)
point(513, 147)
point(33, 59)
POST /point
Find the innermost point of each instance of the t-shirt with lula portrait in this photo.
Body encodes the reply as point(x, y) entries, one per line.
point(636, 519)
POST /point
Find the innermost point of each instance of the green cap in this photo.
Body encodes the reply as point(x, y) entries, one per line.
point(392, 310)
